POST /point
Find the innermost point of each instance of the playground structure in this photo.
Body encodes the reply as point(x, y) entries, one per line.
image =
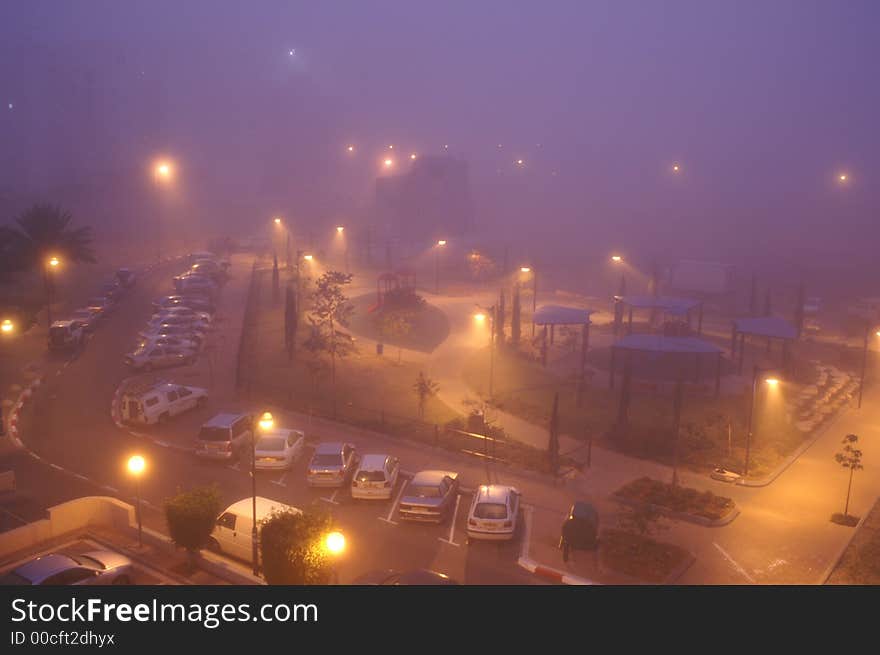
point(403, 279)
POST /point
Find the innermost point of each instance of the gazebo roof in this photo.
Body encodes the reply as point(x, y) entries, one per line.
point(766, 326)
point(657, 343)
point(560, 315)
point(668, 304)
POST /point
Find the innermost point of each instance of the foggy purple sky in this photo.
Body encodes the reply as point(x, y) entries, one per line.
point(762, 103)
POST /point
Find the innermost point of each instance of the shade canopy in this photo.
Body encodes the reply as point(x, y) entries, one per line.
point(560, 315)
point(657, 343)
point(766, 326)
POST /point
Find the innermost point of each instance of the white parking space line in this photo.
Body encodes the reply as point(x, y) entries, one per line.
point(332, 498)
point(452, 524)
point(387, 519)
point(281, 481)
point(734, 563)
point(234, 467)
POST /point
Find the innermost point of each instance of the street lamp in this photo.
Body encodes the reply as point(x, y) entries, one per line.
point(7, 326)
point(389, 162)
point(526, 270)
point(308, 258)
point(334, 542)
point(480, 318)
point(617, 259)
point(51, 264)
point(771, 382)
point(277, 221)
point(440, 244)
point(265, 424)
point(136, 465)
point(163, 172)
point(340, 229)
point(865, 361)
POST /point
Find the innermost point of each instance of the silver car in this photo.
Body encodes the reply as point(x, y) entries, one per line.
point(429, 496)
point(98, 567)
point(331, 465)
point(150, 357)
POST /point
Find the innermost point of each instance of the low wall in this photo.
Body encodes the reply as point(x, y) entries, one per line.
point(67, 517)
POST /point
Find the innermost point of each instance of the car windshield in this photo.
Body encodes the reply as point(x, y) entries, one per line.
point(370, 476)
point(96, 302)
point(214, 434)
point(332, 459)
point(423, 491)
point(490, 511)
point(270, 443)
point(85, 560)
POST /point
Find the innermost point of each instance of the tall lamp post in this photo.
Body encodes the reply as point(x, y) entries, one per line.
point(758, 372)
point(7, 327)
point(265, 424)
point(51, 264)
point(136, 465)
point(865, 361)
point(480, 318)
point(440, 244)
point(163, 173)
point(334, 542)
point(529, 269)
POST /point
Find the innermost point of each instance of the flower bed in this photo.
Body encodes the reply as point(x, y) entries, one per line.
point(638, 556)
point(684, 500)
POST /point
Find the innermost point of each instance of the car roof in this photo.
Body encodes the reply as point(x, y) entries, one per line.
point(277, 432)
point(432, 477)
point(494, 493)
point(65, 323)
point(372, 462)
point(222, 420)
point(265, 506)
point(42, 567)
point(329, 448)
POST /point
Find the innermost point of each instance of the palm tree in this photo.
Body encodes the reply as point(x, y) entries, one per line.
point(44, 231)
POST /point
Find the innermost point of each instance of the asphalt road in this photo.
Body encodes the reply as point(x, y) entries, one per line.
point(71, 425)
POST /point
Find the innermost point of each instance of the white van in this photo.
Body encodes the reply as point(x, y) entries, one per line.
point(232, 531)
point(160, 401)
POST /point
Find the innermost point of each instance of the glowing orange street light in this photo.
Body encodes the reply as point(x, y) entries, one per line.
point(616, 259)
point(308, 258)
point(335, 542)
point(7, 326)
point(772, 381)
point(480, 317)
point(843, 177)
point(340, 229)
point(389, 163)
point(136, 466)
point(391, 147)
point(525, 269)
point(519, 162)
point(53, 262)
point(412, 156)
point(267, 422)
point(441, 242)
point(350, 148)
point(277, 221)
point(163, 170)
point(676, 168)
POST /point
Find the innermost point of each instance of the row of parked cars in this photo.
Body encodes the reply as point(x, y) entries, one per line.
point(178, 328)
point(73, 331)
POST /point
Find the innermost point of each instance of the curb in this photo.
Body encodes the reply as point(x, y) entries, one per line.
point(839, 556)
point(791, 459)
point(681, 516)
point(549, 573)
point(23, 397)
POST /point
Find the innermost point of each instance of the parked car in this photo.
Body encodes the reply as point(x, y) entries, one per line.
point(112, 291)
point(189, 282)
point(278, 449)
point(88, 317)
point(232, 530)
point(198, 303)
point(225, 436)
point(429, 496)
point(184, 312)
point(101, 304)
point(165, 330)
point(493, 513)
point(159, 402)
point(66, 335)
point(331, 464)
point(420, 577)
point(375, 477)
point(98, 567)
point(209, 269)
point(195, 324)
point(126, 277)
point(151, 357)
point(173, 342)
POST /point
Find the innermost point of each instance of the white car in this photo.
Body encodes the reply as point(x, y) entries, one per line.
point(196, 324)
point(171, 341)
point(375, 477)
point(165, 330)
point(160, 402)
point(148, 358)
point(278, 449)
point(183, 312)
point(493, 513)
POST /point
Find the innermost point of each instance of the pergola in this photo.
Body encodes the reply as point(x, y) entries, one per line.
point(553, 315)
point(686, 350)
point(668, 305)
point(770, 328)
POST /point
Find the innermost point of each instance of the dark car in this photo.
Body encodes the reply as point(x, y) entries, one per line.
point(111, 290)
point(126, 277)
point(429, 496)
point(198, 302)
point(421, 577)
point(580, 529)
point(99, 567)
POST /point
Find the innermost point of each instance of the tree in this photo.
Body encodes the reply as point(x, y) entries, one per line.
point(753, 296)
point(396, 325)
point(515, 317)
point(292, 548)
point(849, 458)
point(553, 444)
point(44, 231)
point(275, 276)
point(642, 519)
point(480, 265)
point(190, 516)
point(500, 317)
point(424, 387)
point(331, 308)
point(291, 321)
point(799, 310)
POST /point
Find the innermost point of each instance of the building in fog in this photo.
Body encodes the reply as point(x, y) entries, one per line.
point(431, 201)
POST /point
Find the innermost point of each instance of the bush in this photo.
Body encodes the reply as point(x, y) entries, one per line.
point(292, 548)
point(402, 299)
point(190, 516)
point(676, 498)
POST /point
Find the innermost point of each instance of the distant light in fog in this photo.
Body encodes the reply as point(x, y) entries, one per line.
point(10, 105)
point(350, 148)
point(389, 163)
point(391, 146)
point(412, 156)
point(519, 162)
point(291, 52)
point(446, 147)
point(676, 168)
point(843, 177)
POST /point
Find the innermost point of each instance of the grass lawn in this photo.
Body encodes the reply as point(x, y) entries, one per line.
point(678, 499)
point(429, 329)
point(639, 556)
point(860, 563)
point(713, 430)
